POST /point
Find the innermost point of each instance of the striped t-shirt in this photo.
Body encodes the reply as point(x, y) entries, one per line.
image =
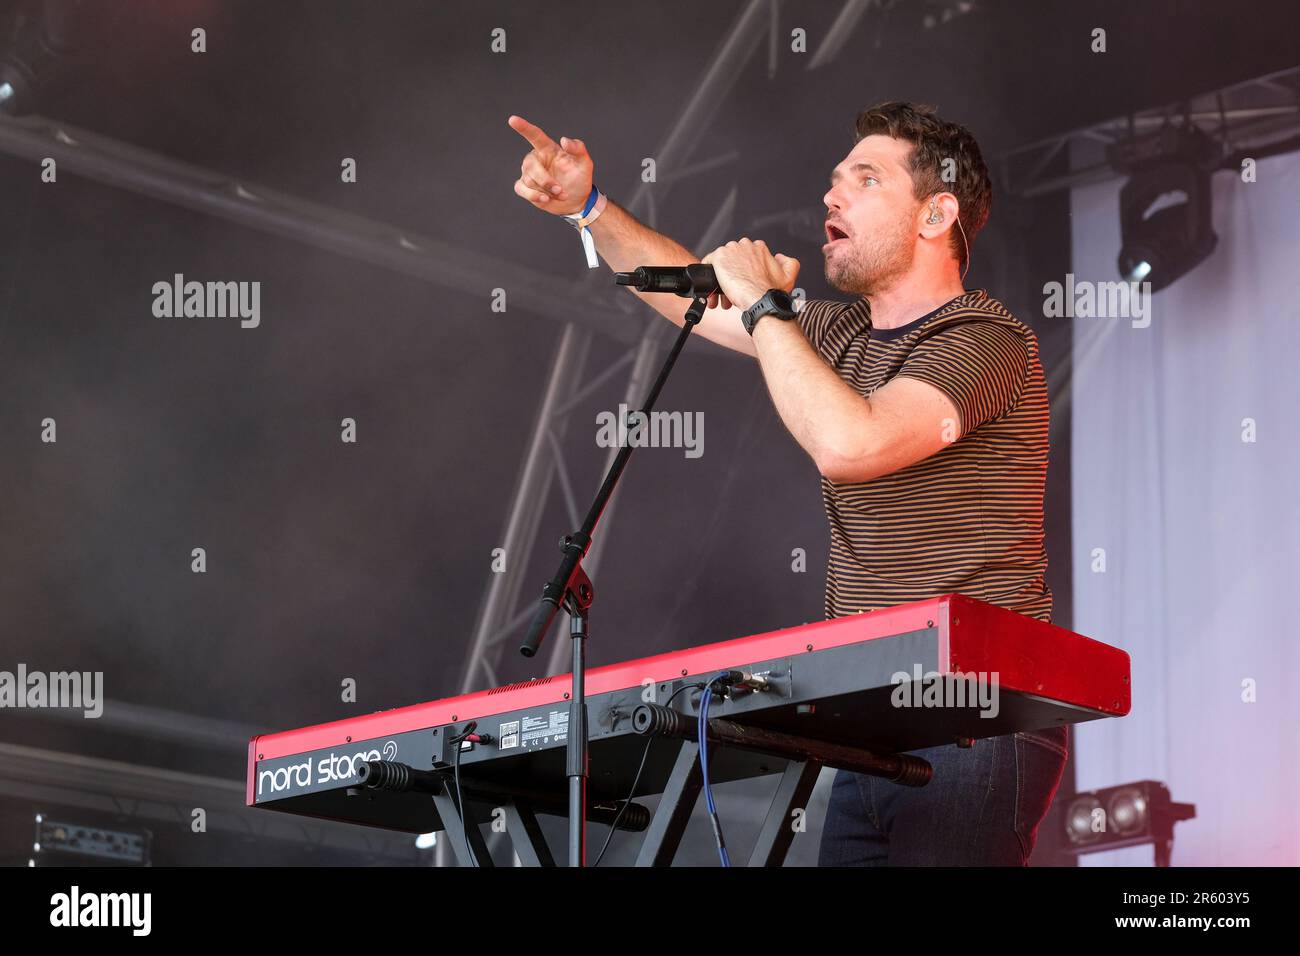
point(968, 519)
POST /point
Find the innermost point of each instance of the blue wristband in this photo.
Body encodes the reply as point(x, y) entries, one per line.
point(591, 209)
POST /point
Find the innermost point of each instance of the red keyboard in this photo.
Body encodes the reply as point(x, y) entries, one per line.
point(836, 681)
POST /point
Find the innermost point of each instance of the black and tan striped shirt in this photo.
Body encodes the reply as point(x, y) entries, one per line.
point(968, 519)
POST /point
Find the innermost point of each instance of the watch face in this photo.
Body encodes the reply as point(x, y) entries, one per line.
point(776, 302)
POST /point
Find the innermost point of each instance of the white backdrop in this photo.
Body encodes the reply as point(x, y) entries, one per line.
point(1199, 528)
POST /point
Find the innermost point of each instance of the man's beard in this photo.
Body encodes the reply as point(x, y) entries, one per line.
point(872, 264)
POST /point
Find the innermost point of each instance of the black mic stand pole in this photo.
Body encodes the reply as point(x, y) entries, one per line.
point(572, 588)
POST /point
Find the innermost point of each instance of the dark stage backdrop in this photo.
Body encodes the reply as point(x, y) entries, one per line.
point(367, 561)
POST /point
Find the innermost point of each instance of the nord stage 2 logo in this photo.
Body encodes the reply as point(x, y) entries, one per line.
point(337, 766)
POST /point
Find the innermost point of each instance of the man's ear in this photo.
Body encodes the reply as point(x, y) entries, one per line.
point(942, 207)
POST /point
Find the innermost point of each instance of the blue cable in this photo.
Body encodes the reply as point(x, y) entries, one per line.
point(705, 697)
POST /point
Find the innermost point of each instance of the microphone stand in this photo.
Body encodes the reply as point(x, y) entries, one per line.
point(572, 589)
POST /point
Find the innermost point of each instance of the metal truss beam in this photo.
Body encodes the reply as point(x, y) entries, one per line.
point(449, 266)
point(155, 723)
point(1246, 113)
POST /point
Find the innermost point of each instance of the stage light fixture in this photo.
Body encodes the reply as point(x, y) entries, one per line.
point(1127, 815)
point(37, 42)
point(1166, 227)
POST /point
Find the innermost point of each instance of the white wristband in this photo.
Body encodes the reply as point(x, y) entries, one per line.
point(583, 222)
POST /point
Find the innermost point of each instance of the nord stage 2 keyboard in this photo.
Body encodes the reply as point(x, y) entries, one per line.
point(854, 692)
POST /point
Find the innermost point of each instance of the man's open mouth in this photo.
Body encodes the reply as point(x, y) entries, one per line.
point(834, 233)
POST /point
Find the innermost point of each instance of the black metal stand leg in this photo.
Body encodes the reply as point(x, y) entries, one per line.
point(778, 830)
point(526, 835)
point(576, 750)
point(674, 811)
point(455, 828)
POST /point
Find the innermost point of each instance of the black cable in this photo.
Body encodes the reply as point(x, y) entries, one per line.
point(636, 780)
point(619, 816)
point(460, 801)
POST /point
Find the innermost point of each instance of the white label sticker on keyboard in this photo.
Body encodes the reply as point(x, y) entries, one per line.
point(551, 728)
point(509, 735)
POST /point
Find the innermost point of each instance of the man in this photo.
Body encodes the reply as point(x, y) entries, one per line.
point(924, 408)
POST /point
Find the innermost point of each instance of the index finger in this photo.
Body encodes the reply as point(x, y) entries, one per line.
point(533, 134)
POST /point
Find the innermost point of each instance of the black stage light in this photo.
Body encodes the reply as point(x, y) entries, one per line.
point(1128, 815)
point(1165, 207)
point(36, 43)
point(1165, 224)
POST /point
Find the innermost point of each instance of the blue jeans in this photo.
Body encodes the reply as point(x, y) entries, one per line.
point(981, 808)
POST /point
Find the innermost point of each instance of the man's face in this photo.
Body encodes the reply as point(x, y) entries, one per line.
point(870, 201)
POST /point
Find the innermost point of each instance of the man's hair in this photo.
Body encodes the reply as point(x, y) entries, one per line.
point(935, 140)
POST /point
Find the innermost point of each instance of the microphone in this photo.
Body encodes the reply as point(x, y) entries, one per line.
point(696, 280)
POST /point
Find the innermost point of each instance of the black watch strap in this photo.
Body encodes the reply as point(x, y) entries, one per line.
point(775, 302)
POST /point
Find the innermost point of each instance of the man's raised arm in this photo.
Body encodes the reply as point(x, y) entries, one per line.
point(556, 178)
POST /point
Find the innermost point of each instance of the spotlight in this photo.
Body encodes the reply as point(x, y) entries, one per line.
point(39, 40)
point(1128, 815)
point(1165, 224)
point(1164, 208)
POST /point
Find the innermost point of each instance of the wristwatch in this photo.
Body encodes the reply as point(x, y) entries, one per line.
point(775, 302)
